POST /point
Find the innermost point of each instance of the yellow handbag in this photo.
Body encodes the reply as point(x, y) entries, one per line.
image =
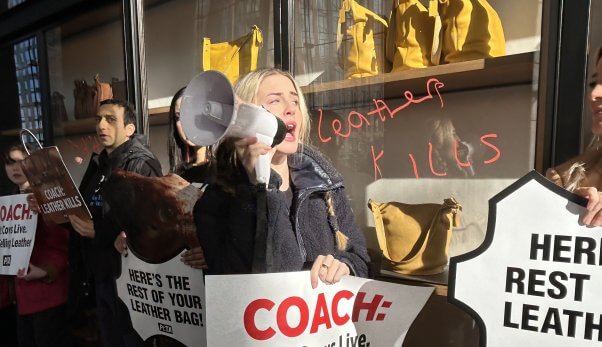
point(413, 35)
point(414, 238)
point(362, 59)
point(234, 58)
point(472, 30)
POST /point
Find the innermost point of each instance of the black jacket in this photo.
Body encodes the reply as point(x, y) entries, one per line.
point(100, 257)
point(226, 222)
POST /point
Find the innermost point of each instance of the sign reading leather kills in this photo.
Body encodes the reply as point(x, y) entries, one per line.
point(537, 278)
point(17, 233)
point(282, 309)
point(164, 299)
point(53, 186)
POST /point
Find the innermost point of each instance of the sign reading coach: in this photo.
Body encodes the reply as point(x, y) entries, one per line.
point(282, 309)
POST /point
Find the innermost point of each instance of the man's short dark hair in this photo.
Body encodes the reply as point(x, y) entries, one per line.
point(129, 113)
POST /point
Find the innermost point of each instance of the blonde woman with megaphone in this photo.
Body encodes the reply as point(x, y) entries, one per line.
point(309, 221)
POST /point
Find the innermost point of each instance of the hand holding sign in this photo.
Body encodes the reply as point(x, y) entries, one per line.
point(194, 258)
point(328, 269)
point(593, 214)
point(31, 273)
point(83, 226)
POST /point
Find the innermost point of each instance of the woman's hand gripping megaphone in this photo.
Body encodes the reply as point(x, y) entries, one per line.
point(255, 157)
point(263, 132)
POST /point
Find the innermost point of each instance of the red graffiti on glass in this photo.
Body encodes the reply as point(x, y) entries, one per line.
point(484, 140)
point(357, 120)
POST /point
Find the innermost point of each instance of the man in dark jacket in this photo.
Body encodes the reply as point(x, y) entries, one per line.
point(115, 128)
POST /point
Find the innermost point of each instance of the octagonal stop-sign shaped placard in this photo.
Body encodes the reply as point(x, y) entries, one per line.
point(537, 278)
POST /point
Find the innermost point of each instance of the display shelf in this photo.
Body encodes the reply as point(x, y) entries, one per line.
point(480, 73)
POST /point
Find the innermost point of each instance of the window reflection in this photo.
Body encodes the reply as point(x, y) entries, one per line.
point(28, 82)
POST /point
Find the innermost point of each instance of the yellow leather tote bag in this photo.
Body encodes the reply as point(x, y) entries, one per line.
point(234, 58)
point(471, 30)
point(361, 57)
point(413, 35)
point(414, 238)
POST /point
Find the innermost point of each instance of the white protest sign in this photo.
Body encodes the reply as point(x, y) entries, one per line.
point(282, 309)
point(17, 233)
point(537, 278)
point(164, 299)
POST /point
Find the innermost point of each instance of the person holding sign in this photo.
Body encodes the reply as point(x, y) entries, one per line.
point(308, 214)
point(582, 174)
point(115, 128)
point(41, 289)
point(189, 161)
point(192, 163)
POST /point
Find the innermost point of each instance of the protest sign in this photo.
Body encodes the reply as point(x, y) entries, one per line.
point(536, 280)
point(164, 299)
point(17, 233)
point(53, 186)
point(282, 309)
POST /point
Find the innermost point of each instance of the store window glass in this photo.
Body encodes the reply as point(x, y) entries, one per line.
point(176, 33)
point(20, 97)
point(28, 86)
point(595, 43)
point(6, 5)
point(414, 108)
point(413, 128)
point(82, 53)
point(9, 98)
point(20, 82)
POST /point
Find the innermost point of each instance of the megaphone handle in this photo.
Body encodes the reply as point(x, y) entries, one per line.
point(263, 164)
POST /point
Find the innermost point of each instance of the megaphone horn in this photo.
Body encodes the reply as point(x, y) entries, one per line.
point(209, 112)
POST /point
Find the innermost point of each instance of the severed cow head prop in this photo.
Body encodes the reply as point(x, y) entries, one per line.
point(155, 213)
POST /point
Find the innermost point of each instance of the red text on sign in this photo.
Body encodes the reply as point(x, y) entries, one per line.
point(325, 314)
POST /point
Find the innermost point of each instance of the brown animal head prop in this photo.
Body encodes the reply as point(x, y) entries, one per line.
point(155, 212)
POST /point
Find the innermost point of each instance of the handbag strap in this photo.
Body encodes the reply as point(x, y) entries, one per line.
point(455, 208)
point(437, 32)
point(358, 12)
point(380, 233)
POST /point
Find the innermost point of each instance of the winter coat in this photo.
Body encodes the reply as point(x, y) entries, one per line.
point(226, 222)
point(50, 253)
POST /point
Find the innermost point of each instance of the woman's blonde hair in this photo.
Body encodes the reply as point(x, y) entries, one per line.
point(247, 87)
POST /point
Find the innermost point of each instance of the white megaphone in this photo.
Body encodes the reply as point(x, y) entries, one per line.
point(209, 111)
